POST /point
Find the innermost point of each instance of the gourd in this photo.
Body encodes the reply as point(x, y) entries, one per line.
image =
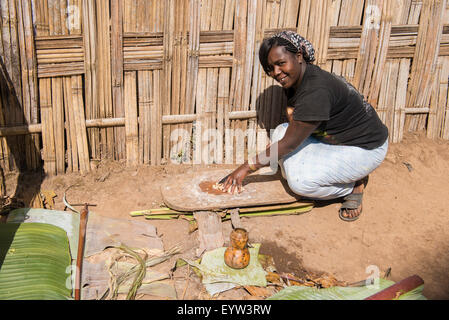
point(237, 254)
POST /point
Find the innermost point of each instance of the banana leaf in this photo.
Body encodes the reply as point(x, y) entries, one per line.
point(342, 293)
point(35, 262)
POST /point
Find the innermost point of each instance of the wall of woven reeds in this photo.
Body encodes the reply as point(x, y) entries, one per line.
point(153, 81)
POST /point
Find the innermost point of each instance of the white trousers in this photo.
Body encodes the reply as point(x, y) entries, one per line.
point(322, 171)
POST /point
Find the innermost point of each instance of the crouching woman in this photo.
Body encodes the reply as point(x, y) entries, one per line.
point(334, 138)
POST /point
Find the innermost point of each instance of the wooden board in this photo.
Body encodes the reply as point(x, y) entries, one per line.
point(183, 192)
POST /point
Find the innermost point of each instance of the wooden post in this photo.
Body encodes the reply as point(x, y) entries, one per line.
point(210, 231)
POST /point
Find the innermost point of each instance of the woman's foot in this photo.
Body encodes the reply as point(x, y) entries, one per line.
point(352, 205)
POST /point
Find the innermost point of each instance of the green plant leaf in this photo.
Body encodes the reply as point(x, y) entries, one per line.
point(341, 293)
point(34, 262)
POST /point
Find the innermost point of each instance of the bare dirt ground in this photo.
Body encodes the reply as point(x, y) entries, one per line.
point(404, 225)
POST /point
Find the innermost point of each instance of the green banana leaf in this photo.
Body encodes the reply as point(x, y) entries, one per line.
point(35, 262)
point(342, 293)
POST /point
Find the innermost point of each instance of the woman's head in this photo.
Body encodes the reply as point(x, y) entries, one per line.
point(282, 54)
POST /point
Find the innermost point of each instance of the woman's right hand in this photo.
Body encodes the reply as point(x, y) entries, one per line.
point(233, 182)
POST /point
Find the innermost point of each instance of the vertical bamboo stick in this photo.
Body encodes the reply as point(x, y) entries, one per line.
point(176, 75)
point(236, 91)
point(26, 94)
point(228, 22)
point(257, 70)
point(63, 13)
point(80, 124)
point(13, 103)
point(89, 21)
point(131, 124)
point(200, 123)
point(444, 98)
point(140, 15)
point(145, 104)
point(4, 161)
point(147, 116)
point(106, 45)
point(249, 126)
point(193, 55)
point(211, 111)
point(169, 16)
point(156, 120)
point(401, 100)
point(275, 108)
point(117, 28)
point(222, 101)
point(401, 11)
point(381, 55)
point(58, 123)
point(303, 22)
point(433, 125)
point(368, 44)
point(184, 75)
point(72, 153)
point(5, 105)
point(15, 75)
point(57, 97)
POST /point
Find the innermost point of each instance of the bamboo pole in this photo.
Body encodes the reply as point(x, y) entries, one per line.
point(435, 109)
point(80, 125)
point(90, 86)
point(104, 21)
point(169, 16)
point(444, 99)
point(401, 10)
point(117, 27)
point(105, 148)
point(236, 90)
point(57, 94)
point(401, 100)
point(184, 80)
point(368, 45)
point(131, 124)
point(58, 123)
point(176, 75)
point(72, 155)
point(29, 81)
point(156, 120)
point(12, 97)
point(145, 80)
point(381, 55)
point(15, 74)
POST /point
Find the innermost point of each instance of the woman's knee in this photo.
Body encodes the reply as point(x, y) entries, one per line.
point(303, 187)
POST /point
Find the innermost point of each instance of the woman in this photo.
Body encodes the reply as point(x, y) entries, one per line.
point(334, 139)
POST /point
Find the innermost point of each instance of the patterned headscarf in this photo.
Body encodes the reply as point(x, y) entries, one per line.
point(303, 45)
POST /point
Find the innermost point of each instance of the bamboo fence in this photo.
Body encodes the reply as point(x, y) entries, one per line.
point(152, 81)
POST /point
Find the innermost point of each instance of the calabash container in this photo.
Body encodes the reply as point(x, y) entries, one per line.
point(237, 254)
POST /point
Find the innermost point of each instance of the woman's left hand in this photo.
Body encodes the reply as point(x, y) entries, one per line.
point(233, 182)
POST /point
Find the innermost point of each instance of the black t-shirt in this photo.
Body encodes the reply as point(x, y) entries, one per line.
point(347, 119)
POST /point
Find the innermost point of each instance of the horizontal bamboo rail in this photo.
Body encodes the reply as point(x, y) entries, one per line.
point(120, 122)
